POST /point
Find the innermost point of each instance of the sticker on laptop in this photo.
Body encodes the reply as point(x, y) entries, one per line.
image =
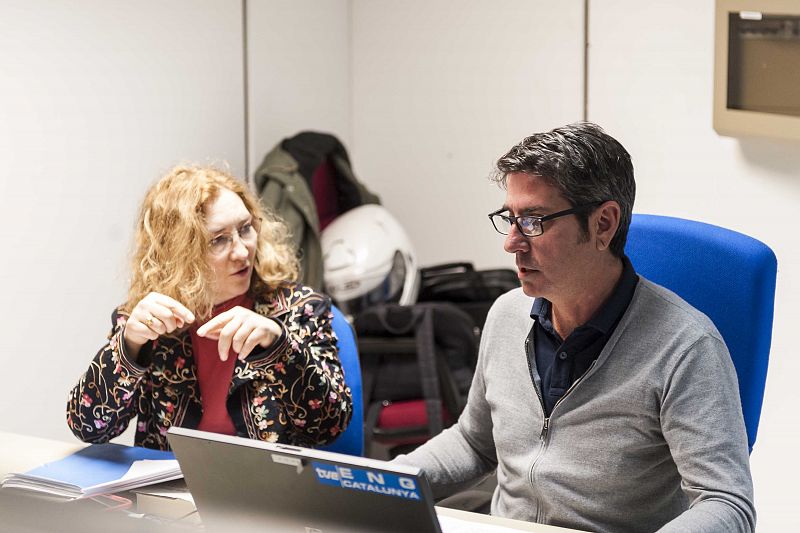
point(290, 461)
point(367, 480)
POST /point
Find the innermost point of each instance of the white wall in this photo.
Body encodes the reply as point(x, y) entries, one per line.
point(97, 99)
point(650, 85)
point(440, 90)
point(299, 71)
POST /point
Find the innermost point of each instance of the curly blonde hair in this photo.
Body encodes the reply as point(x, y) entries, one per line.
point(171, 242)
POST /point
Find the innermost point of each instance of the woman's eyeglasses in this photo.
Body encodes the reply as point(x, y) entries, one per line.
point(247, 233)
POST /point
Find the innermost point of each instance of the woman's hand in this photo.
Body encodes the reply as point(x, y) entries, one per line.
point(155, 315)
point(240, 329)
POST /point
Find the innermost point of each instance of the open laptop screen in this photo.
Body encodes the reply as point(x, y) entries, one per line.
point(247, 485)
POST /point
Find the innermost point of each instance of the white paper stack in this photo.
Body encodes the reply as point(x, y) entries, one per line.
point(98, 469)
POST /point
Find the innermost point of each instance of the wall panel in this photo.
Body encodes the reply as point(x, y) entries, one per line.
point(441, 89)
point(98, 98)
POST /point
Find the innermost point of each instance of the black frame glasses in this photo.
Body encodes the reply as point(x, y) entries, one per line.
point(531, 225)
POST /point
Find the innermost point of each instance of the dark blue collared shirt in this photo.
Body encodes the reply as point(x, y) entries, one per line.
point(561, 362)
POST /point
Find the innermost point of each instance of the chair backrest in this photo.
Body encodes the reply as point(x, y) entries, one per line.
point(728, 276)
point(351, 441)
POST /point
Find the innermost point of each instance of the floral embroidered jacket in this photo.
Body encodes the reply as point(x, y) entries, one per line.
point(292, 392)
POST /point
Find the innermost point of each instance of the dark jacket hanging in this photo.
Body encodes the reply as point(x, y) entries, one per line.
point(307, 180)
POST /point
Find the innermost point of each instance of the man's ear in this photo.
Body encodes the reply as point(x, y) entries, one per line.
point(605, 220)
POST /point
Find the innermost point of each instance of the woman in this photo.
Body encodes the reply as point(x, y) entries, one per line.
point(214, 334)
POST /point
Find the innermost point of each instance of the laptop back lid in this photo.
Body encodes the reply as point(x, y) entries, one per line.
point(247, 485)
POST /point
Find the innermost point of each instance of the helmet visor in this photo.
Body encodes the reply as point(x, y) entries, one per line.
point(387, 291)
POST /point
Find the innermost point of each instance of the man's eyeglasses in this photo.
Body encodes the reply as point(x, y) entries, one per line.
point(530, 225)
point(247, 233)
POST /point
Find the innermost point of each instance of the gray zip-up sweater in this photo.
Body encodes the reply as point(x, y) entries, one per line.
point(652, 436)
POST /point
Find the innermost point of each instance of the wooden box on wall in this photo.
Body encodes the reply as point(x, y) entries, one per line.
point(757, 68)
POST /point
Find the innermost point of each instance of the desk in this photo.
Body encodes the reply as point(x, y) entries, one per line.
point(40, 514)
point(22, 453)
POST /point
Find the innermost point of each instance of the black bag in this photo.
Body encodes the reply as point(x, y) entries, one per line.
point(473, 290)
point(426, 351)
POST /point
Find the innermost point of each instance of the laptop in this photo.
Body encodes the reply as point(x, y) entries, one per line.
point(245, 485)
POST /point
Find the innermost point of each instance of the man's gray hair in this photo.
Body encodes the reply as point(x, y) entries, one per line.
point(586, 164)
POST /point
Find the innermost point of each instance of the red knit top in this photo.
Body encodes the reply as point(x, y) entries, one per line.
point(214, 375)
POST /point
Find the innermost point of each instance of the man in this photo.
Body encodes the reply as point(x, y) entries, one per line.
point(604, 402)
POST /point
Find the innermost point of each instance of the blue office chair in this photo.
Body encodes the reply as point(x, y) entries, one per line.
point(728, 276)
point(351, 441)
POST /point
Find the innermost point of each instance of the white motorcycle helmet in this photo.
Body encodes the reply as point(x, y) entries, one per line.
point(368, 259)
